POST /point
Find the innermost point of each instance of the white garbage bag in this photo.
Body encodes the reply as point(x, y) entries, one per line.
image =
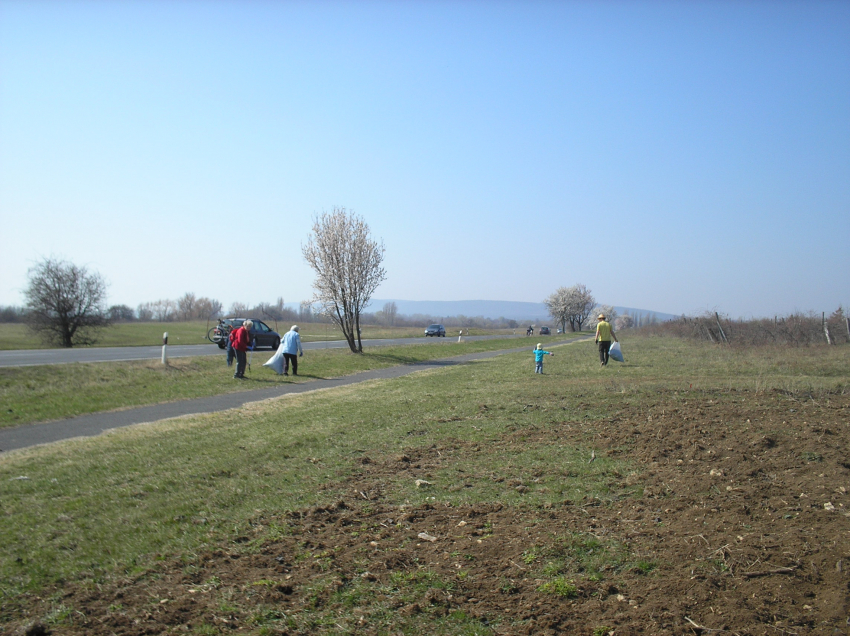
point(615, 352)
point(276, 361)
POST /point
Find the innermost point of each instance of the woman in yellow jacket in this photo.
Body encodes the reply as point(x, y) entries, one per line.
point(604, 333)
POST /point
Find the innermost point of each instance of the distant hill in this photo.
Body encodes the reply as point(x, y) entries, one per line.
point(520, 311)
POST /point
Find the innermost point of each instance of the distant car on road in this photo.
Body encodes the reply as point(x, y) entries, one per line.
point(437, 331)
point(544, 331)
point(261, 334)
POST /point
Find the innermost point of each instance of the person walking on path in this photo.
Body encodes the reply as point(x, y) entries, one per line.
point(241, 339)
point(604, 333)
point(291, 345)
point(538, 358)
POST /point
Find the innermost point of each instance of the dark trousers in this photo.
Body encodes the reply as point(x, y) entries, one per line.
point(293, 358)
point(604, 346)
point(241, 363)
point(231, 353)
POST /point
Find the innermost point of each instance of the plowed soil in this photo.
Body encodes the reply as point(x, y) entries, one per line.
point(737, 522)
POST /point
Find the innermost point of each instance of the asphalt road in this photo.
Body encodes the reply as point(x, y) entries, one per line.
point(32, 357)
point(96, 423)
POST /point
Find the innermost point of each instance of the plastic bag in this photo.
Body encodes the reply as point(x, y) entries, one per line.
point(276, 362)
point(615, 352)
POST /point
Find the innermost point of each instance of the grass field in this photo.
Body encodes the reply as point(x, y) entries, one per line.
point(137, 334)
point(149, 523)
point(50, 392)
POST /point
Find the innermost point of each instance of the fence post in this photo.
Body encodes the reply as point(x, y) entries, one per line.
point(825, 328)
point(722, 334)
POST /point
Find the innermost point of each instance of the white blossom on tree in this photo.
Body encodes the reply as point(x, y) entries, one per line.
point(558, 306)
point(348, 269)
point(571, 305)
point(611, 314)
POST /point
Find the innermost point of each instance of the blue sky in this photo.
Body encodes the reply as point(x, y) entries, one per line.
point(672, 156)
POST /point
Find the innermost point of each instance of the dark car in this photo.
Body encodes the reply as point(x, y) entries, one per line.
point(544, 331)
point(438, 331)
point(261, 334)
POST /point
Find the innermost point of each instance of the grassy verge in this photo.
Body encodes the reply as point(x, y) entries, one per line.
point(138, 334)
point(91, 509)
point(48, 392)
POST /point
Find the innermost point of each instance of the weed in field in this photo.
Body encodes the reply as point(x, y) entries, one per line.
point(531, 556)
point(559, 586)
point(645, 567)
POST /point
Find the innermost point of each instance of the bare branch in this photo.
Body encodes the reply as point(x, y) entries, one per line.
point(67, 305)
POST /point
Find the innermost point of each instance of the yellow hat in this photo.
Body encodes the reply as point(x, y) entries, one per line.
point(601, 316)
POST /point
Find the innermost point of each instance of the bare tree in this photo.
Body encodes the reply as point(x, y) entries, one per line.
point(67, 304)
point(348, 269)
point(164, 310)
point(389, 312)
point(145, 312)
point(208, 308)
point(238, 309)
point(305, 311)
point(187, 306)
point(121, 313)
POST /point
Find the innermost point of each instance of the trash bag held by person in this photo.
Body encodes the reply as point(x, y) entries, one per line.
point(276, 361)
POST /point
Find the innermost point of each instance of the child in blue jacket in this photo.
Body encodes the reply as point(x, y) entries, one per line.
point(538, 357)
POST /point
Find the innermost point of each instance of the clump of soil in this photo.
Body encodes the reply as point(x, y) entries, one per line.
point(742, 527)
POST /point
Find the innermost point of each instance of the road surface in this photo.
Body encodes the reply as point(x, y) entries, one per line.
point(32, 357)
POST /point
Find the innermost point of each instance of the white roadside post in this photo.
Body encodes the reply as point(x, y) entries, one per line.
point(459, 335)
point(165, 348)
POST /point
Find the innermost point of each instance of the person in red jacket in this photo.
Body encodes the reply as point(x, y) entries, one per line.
point(241, 340)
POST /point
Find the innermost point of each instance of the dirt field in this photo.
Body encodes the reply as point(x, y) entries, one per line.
point(742, 527)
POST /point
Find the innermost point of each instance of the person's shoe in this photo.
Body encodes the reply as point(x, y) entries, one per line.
point(293, 373)
point(284, 373)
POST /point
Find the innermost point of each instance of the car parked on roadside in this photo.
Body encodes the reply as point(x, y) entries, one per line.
point(544, 331)
point(437, 331)
point(261, 334)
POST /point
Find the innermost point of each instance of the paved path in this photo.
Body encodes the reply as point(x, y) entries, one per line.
point(96, 423)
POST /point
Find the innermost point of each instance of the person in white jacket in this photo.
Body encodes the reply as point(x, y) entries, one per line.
point(290, 346)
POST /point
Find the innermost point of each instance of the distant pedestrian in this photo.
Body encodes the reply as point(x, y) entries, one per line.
point(529, 331)
point(604, 333)
point(538, 358)
point(241, 339)
point(291, 345)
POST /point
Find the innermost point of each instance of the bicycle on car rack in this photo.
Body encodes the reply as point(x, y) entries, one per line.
point(220, 333)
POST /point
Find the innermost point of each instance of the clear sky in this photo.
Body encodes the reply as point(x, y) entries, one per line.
point(672, 156)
